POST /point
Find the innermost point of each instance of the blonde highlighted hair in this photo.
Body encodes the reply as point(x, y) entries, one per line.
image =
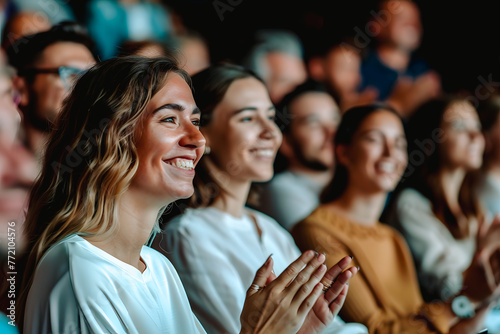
point(91, 156)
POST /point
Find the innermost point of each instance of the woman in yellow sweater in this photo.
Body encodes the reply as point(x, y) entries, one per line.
point(370, 149)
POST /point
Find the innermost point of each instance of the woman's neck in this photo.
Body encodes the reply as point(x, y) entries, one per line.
point(359, 207)
point(233, 197)
point(451, 180)
point(135, 222)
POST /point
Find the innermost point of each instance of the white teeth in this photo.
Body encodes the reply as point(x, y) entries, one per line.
point(387, 167)
point(182, 163)
point(265, 153)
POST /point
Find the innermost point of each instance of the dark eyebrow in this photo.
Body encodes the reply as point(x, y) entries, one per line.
point(177, 107)
point(251, 109)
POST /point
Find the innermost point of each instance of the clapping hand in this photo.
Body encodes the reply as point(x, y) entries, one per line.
point(294, 301)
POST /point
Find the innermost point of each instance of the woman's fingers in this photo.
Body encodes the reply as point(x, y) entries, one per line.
point(310, 300)
point(291, 273)
point(337, 287)
point(302, 291)
point(338, 302)
point(333, 272)
point(262, 276)
point(304, 276)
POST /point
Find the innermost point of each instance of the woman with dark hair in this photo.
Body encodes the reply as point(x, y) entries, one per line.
point(124, 146)
point(370, 150)
point(217, 243)
point(435, 206)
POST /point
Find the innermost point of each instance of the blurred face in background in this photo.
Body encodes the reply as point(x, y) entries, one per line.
point(46, 91)
point(343, 69)
point(285, 72)
point(242, 134)
point(402, 27)
point(315, 117)
point(376, 157)
point(463, 142)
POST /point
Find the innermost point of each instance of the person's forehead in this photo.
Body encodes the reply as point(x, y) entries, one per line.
point(306, 102)
point(65, 51)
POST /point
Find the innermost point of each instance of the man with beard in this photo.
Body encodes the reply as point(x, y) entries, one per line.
point(308, 118)
point(47, 64)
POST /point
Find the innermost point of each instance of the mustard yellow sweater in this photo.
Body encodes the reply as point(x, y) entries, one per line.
point(385, 295)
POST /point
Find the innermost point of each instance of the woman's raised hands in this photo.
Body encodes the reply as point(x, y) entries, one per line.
point(295, 301)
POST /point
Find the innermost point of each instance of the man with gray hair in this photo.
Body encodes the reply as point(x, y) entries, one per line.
point(277, 57)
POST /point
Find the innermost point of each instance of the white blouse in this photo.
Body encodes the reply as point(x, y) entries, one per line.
point(79, 288)
point(440, 259)
point(217, 256)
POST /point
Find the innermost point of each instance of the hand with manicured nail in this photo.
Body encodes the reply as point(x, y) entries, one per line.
point(294, 302)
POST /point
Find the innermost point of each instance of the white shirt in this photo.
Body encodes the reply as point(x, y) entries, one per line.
point(290, 197)
point(440, 259)
point(489, 194)
point(79, 288)
point(217, 256)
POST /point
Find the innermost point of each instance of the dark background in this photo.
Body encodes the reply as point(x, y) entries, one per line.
point(460, 39)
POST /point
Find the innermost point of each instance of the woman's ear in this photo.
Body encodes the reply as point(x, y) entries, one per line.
point(286, 148)
point(21, 86)
point(342, 156)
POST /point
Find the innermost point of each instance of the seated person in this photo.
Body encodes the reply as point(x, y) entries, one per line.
point(308, 118)
point(277, 57)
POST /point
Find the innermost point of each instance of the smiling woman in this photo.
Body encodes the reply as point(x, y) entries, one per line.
point(133, 125)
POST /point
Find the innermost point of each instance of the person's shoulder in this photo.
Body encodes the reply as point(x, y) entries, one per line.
point(190, 229)
point(412, 197)
point(282, 180)
point(190, 219)
point(157, 260)
point(266, 222)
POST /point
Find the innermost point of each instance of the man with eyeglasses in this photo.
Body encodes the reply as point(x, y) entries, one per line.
point(47, 64)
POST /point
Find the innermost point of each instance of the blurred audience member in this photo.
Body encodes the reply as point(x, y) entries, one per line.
point(489, 189)
point(17, 172)
point(339, 67)
point(147, 48)
point(194, 52)
point(23, 24)
point(47, 64)
point(435, 206)
point(17, 168)
point(370, 150)
point(404, 81)
point(308, 118)
point(112, 22)
point(55, 10)
point(277, 57)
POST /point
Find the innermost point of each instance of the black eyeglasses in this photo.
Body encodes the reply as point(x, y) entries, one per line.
point(67, 74)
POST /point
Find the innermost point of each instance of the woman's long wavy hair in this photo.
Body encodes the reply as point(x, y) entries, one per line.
point(91, 156)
